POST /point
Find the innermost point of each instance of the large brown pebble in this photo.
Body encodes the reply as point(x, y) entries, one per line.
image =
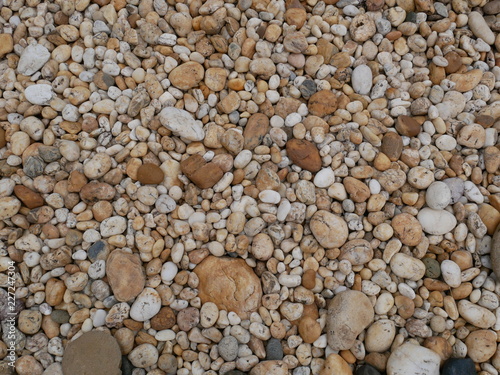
point(150, 174)
point(165, 319)
point(481, 345)
point(358, 191)
point(357, 252)
point(187, 75)
point(96, 191)
point(203, 174)
point(125, 275)
point(392, 146)
point(188, 318)
point(322, 103)
point(304, 153)
point(229, 283)
point(309, 279)
point(95, 352)
point(255, 130)
point(309, 329)
point(29, 198)
point(490, 216)
point(407, 228)
point(406, 125)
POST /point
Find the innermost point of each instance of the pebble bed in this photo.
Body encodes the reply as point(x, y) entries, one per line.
point(249, 187)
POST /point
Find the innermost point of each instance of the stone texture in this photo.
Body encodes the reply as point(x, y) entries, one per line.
point(125, 275)
point(229, 283)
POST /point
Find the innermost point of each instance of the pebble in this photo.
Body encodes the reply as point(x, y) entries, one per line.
point(32, 59)
point(150, 174)
point(402, 361)
point(93, 352)
point(459, 366)
point(125, 275)
point(436, 222)
point(480, 28)
point(349, 313)
point(329, 230)
point(438, 195)
point(362, 79)
point(228, 348)
point(39, 94)
point(226, 282)
point(304, 154)
point(181, 123)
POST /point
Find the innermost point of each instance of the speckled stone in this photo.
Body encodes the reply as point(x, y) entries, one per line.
point(274, 349)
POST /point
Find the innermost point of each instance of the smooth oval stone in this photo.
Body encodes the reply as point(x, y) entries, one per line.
point(95, 353)
point(436, 222)
point(367, 370)
point(150, 174)
point(60, 316)
point(459, 366)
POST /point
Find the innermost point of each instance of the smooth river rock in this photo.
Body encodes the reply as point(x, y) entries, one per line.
point(349, 313)
point(411, 359)
point(436, 222)
point(329, 230)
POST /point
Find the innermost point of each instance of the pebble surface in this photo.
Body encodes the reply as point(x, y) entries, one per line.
point(250, 187)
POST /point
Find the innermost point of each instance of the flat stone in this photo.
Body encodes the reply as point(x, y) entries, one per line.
point(187, 75)
point(411, 359)
point(229, 283)
point(329, 230)
point(304, 153)
point(255, 130)
point(203, 174)
point(181, 123)
point(149, 173)
point(95, 353)
point(6, 44)
point(40, 94)
point(322, 103)
point(32, 59)
point(407, 126)
point(459, 366)
point(29, 198)
point(125, 275)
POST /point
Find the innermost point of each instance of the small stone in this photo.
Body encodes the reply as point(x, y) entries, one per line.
point(322, 103)
point(407, 267)
point(274, 350)
point(203, 174)
point(438, 195)
point(362, 79)
point(270, 367)
point(459, 366)
point(367, 370)
point(436, 222)
point(407, 126)
point(150, 174)
point(255, 130)
point(358, 191)
point(9, 206)
point(165, 319)
point(304, 154)
point(93, 352)
point(480, 28)
point(467, 81)
point(144, 355)
point(481, 345)
point(146, 305)
point(475, 314)
point(380, 335)
point(125, 275)
point(349, 313)
point(29, 321)
point(29, 198)
point(432, 268)
point(407, 229)
point(6, 44)
point(187, 75)
point(329, 230)
point(181, 123)
point(227, 282)
point(39, 94)
point(112, 226)
point(337, 365)
point(32, 59)
point(451, 273)
point(411, 359)
point(392, 146)
point(188, 318)
point(228, 348)
point(362, 28)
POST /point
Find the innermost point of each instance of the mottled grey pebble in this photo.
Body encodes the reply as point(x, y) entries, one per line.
point(308, 88)
point(49, 154)
point(98, 251)
point(60, 316)
point(456, 186)
point(432, 268)
point(274, 350)
point(228, 348)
